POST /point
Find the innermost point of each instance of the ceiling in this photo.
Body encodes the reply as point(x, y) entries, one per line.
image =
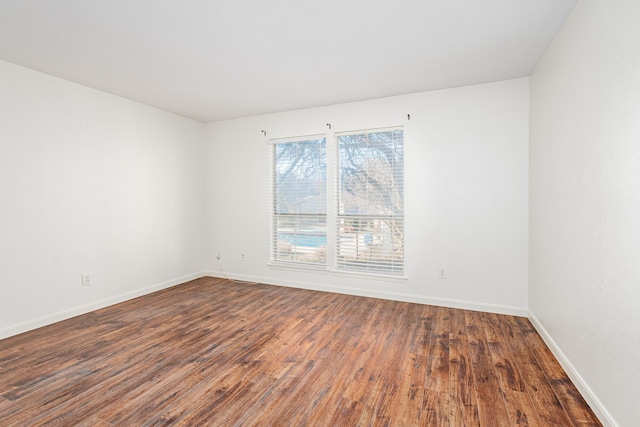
point(213, 60)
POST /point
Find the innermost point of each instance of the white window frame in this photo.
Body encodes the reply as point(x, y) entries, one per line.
point(334, 260)
point(370, 242)
point(287, 244)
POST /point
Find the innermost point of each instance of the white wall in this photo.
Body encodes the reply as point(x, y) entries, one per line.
point(466, 195)
point(91, 183)
point(585, 203)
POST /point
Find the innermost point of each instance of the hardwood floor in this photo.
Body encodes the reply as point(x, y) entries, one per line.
point(213, 352)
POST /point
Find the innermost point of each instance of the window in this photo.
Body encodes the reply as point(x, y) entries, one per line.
point(299, 197)
point(367, 218)
point(370, 205)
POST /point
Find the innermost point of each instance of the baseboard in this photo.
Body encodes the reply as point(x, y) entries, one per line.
point(396, 296)
point(598, 408)
point(76, 311)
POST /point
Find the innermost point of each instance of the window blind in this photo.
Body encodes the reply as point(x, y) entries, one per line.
point(299, 201)
point(370, 201)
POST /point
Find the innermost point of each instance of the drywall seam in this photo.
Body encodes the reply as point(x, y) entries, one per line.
point(83, 309)
point(596, 405)
point(396, 296)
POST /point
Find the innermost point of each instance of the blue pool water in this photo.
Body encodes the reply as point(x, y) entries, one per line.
point(307, 240)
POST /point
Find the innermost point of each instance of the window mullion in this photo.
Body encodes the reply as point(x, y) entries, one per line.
point(332, 156)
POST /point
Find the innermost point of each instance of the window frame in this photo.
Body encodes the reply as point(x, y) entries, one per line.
point(291, 252)
point(379, 251)
point(332, 215)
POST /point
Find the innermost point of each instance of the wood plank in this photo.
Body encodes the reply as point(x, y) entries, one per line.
point(407, 409)
point(463, 409)
point(520, 408)
point(536, 382)
point(215, 352)
point(436, 398)
point(491, 402)
point(92, 422)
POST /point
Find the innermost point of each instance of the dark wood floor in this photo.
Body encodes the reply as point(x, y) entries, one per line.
point(213, 352)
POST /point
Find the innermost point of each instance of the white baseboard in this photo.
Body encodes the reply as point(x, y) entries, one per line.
point(598, 408)
point(76, 311)
point(396, 296)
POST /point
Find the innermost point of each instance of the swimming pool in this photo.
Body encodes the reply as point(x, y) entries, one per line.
point(307, 240)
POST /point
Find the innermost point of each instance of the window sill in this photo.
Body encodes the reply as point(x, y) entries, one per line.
point(319, 269)
point(376, 276)
point(307, 268)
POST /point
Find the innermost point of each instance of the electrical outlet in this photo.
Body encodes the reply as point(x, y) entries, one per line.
point(242, 256)
point(442, 272)
point(87, 280)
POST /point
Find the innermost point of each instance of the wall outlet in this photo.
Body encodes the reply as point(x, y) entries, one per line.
point(242, 256)
point(442, 273)
point(87, 280)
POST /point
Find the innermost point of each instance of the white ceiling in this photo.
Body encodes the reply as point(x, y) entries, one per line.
point(213, 60)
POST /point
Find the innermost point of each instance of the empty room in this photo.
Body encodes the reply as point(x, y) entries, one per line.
point(296, 213)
